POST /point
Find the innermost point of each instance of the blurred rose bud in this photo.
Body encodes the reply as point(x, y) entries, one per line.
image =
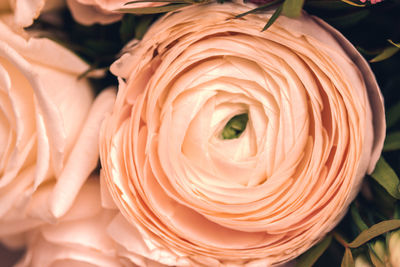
point(49, 128)
point(88, 12)
point(394, 248)
point(228, 146)
point(362, 261)
point(78, 239)
point(26, 11)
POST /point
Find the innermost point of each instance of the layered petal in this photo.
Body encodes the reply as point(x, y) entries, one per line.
point(79, 238)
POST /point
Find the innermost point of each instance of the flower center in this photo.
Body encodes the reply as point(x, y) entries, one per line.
point(235, 126)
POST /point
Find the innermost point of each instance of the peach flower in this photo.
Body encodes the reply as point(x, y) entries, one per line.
point(49, 129)
point(88, 12)
point(228, 146)
point(26, 11)
point(79, 239)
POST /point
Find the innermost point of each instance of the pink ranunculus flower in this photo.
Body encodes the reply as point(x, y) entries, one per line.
point(372, 1)
point(26, 11)
point(88, 12)
point(228, 146)
point(78, 239)
point(49, 128)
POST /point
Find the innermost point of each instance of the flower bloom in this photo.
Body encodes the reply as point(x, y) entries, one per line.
point(228, 146)
point(26, 11)
point(78, 239)
point(88, 12)
point(49, 130)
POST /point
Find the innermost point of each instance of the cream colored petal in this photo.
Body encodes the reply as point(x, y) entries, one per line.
point(43, 152)
point(134, 247)
point(83, 158)
point(107, 201)
point(16, 191)
point(90, 195)
point(88, 233)
point(374, 95)
point(78, 238)
point(26, 11)
point(45, 83)
point(88, 14)
point(72, 100)
point(41, 50)
point(18, 96)
point(45, 254)
point(50, 112)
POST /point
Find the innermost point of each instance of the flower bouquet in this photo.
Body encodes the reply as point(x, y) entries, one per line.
point(199, 133)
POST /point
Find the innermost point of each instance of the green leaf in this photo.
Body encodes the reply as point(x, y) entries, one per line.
point(312, 255)
point(152, 10)
point(392, 142)
point(386, 53)
point(374, 231)
point(142, 26)
point(396, 214)
point(100, 46)
point(349, 19)
point(292, 8)
point(357, 218)
point(393, 115)
point(273, 18)
point(368, 52)
point(347, 260)
point(254, 10)
point(127, 29)
point(387, 178)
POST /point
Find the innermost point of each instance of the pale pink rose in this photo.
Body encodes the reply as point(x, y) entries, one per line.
point(88, 12)
point(315, 126)
point(78, 239)
point(49, 128)
point(26, 11)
